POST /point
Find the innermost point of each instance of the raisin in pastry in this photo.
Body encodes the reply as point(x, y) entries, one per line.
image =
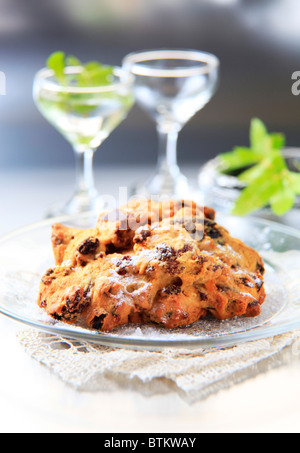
point(167, 263)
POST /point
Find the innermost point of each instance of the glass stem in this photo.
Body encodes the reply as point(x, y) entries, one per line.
point(167, 160)
point(85, 182)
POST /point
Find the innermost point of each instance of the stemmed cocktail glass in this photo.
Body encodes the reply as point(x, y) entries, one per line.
point(85, 116)
point(171, 86)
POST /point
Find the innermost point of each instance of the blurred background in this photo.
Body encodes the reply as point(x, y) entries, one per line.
point(257, 41)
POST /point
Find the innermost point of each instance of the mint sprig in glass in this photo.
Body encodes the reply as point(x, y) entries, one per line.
point(262, 168)
point(85, 103)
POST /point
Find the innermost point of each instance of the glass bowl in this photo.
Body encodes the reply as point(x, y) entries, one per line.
point(220, 191)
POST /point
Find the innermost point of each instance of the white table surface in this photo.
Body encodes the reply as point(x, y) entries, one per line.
point(32, 399)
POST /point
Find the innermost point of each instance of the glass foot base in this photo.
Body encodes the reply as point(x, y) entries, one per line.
point(163, 188)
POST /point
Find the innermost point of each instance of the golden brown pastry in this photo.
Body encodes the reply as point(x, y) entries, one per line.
point(166, 263)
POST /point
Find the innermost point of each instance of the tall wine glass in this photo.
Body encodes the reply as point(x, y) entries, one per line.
point(85, 116)
point(171, 86)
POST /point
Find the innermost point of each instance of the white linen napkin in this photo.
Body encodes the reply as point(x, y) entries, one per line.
point(89, 367)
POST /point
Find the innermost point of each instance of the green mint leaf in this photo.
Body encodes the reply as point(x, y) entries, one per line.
point(268, 183)
point(268, 180)
point(283, 200)
point(261, 145)
point(73, 61)
point(239, 158)
point(95, 74)
point(256, 196)
point(258, 132)
point(57, 63)
point(273, 164)
point(278, 141)
point(295, 182)
point(255, 172)
point(278, 162)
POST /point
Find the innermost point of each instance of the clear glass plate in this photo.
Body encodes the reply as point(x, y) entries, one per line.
point(26, 254)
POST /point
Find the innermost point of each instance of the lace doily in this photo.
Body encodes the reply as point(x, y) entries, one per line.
point(89, 367)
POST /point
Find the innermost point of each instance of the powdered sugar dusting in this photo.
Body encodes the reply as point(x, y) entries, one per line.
point(25, 304)
point(25, 257)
